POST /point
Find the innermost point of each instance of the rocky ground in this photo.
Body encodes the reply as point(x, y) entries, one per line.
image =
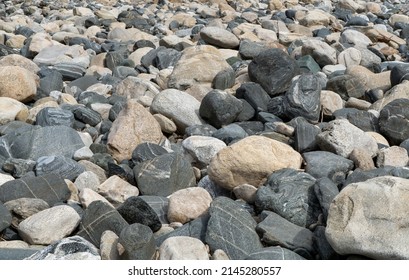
point(204, 130)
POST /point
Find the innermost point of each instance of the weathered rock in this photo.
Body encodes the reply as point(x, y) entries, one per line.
point(26, 207)
point(183, 248)
point(147, 151)
point(138, 242)
point(5, 217)
point(116, 190)
point(202, 148)
point(55, 116)
point(320, 51)
point(392, 156)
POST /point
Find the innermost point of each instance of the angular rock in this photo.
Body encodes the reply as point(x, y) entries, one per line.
point(183, 248)
point(202, 148)
point(325, 190)
point(305, 135)
point(138, 242)
point(232, 229)
point(323, 53)
point(230, 133)
point(347, 86)
point(147, 151)
point(117, 190)
point(61, 165)
point(254, 94)
point(251, 160)
point(364, 120)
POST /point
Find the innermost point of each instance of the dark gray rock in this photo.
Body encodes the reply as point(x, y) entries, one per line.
point(5, 217)
point(70, 71)
point(274, 253)
point(84, 82)
point(123, 171)
point(50, 82)
point(115, 109)
point(89, 97)
point(405, 144)
point(114, 59)
point(247, 113)
point(307, 64)
point(250, 49)
point(122, 72)
point(166, 58)
point(200, 130)
point(148, 59)
point(136, 210)
point(213, 189)
point(255, 95)
point(54, 116)
point(6, 50)
point(321, 164)
point(138, 242)
point(219, 108)
point(99, 217)
point(51, 188)
point(102, 160)
point(290, 193)
point(322, 246)
point(70, 248)
point(273, 69)
point(304, 136)
point(394, 119)
point(14, 254)
point(19, 167)
point(159, 204)
point(232, 229)
point(362, 119)
point(164, 175)
point(147, 151)
point(230, 133)
point(347, 86)
point(87, 115)
point(325, 190)
point(13, 126)
point(224, 79)
point(277, 231)
point(65, 167)
point(251, 127)
point(361, 175)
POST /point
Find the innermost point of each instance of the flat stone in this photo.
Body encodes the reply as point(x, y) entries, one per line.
point(274, 253)
point(183, 248)
point(322, 53)
point(55, 116)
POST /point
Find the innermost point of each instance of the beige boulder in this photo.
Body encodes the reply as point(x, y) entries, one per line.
point(24, 90)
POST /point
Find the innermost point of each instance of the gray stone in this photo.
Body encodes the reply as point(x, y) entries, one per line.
point(305, 136)
point(325, 190)
point(224, 79)
point(254, 94)
point(230, 133)
point(54, 116)
point(232, 229)
point(212, 188)
point(5, 217)
point(274, 253)
point(249, 49)
point(87, 115)
point(19, 167)
point(347, 86)
point(323, 53)
point(363, 175)
point(393, 121)
point(61, 165)
point(202, 148)
point(201, 130)
point(16, 253)
point(138, 242)
point(364, 120)
point(307, 64)
point(219, 37)
point(159, 204)
point(147, 151)
point(324, 249)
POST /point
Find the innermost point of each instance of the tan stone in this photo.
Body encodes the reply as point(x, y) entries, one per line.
point(392, 156)
point(399, 91)
point(362, 159)
point(330, 102)
point(246, 192)
point(24, 90)
point(166, 124)
point(19, 60)
point(117, 190)
point(183, 248)
point(133, 126)
point(11, 109)
point(89, 166)
point(370, 79)
point(250, 161)
point(87, 196)
point(378, 138)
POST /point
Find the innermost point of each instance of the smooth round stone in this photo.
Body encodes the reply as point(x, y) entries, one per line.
point(11, 109)
point(66, 167)
point(26, 88)
point(230, 133)
point(219, 37)
point(183, 248)
point(55, 116)
point(138, 242)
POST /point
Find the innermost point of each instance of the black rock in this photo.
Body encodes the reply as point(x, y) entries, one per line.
point(232, 229)
point(54, 116)
point(362, 119)
point(273, 69)
point(200, 129)
point(138, 242)
point(399, 73)
point(164, 175)
point(52, 81)
point(255, 95)
point(224, 79)
point(393, 120)
point(325, 190)
point(277, 231)
point(159, 204)
point(305, 136)
point(5, 217)
point(6, 50)
point(230, 133)
point(324, 249)
point(98, 148)
point(347, 86)
point(51, 188)
point(290, 193)
point(276, 106)
point(274, 253)
point(65, 167)
point(322, 32)
point(321, 164)
point(268, 118)
point(136, 210)
point(247, 113)
point(13, 126)
point(19, 167)
point(147, 151)
point(87, 115)
point(166, 58)
point(99, 217)
point(24, 30)
point(148, 59)
point(405, 144)
point(219, 108)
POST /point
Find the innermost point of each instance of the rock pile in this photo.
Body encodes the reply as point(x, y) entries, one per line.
point(208, 129)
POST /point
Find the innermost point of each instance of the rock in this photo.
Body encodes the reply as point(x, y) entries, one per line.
point(138, 242)
point(224, 79)
point(307, 64)
point(202, 148)
point(321, 164)
point(347, 86)
point(325, 191)
point(290, 193)
point(198, 203)
point(25, 90)
point(5, 217)
point(273, 69)
point(359, 224)
point(322, 53)
point(147, 151)
point(350, 57)
point(70, 248)
point(86, 115)
point(230, 133)
point(245, 192)
point(254, 94)
point(393, 119)
point(324, 249)
point(117, 190)
point(97, 218)
point(164, 175)
point(65, 167)
point(232, 229)
point(109, 246)
point(26, 207)
point(342, 137)
point(183, 248)
point(136, 210)
point(188, 108)
point(274, 253)
point(392, 156)
point(51, 188)
point(364, 120)
point(84, 153)
point(219, 108)
point(90, 166)
point(136, 88)
point(277, 231)
point(87, 196)
point(370, 80)
point(399, 73)
point(305, 135)
point(11, 109)
point(54, 116)
point(19, 60)
point(397, 92)
point(166, 124)
point(362, 159)
point(133, 126)
point(87, 179)
point(251, 160)
point(49, 225)
point(330, 102)
point(219, 37)
point(353, 38)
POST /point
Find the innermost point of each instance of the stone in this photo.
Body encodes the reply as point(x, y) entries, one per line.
point(240, 242)
point(230, 133)
point(224, 79)
point(254, 94)
point(90, 166)
point(19, 60)
point(245, 192)
point(321, 164)
point(362, 159)
point(109, 246)
point(220, 108)
point(219, 37)
point(87, 179)
point(322, 53)
point(133, 126)
point(392, 156)
point(87, 196)
point(277, 231)
point(188, 108)
point(354, 38)
point(183, 248)
point(5, 217)
point(364, 120)
point(26, 207)
point(136, 88)
point(49, 225)
point(97, 218)
point(251, 160)
point(136, 210)
point(273, 69)
point(360, 220)
point(116, 190)
point(86, 115)
point(324, 249)
point(399, 73)
point(347, 86)
point(330, 102)
point(67, 168)
point(393, 119)
point(198, 204)
point(350, 57)
point(202, 148)
point(290, 193)
point(147, 151)
point(25, 90)
point(51, 188)
point(325, 190)
point(341, 137)
point(11, 109)
point(166, 125)
point(370, 80)
point(274, 253)
point(70, 248)
point(164, 175)
point(138, 242)
point(83, 153)
point(305, 135)
point(5, 178)
point(54, 116)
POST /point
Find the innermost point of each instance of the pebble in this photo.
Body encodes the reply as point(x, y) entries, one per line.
point(112, 103)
